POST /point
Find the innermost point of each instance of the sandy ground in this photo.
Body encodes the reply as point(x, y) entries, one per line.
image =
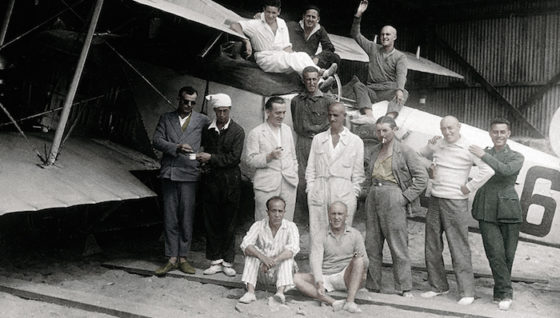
point(66, 268)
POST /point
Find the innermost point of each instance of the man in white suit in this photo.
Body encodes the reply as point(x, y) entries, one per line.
point(335, 170)
point(270, 150)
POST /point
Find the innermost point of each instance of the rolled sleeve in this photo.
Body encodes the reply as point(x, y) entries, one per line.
point(251, 236)
point(293, 239)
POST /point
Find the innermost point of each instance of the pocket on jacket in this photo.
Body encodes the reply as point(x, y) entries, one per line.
point(509, 209)
point(315, 196)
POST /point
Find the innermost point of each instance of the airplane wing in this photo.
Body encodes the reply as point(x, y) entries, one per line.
point(206, 12)
point(348, 49)
point(87, 172)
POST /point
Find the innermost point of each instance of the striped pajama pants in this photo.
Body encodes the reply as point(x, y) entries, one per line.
point(282, 274)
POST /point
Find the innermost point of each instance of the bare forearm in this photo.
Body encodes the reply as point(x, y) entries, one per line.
point(284, 255)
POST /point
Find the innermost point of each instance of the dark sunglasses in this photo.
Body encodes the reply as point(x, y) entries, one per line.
point(188, 102)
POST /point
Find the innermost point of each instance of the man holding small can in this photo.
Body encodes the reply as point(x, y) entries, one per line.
point(177, 136)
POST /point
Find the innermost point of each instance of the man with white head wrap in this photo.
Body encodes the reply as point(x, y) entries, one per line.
point(223, 144)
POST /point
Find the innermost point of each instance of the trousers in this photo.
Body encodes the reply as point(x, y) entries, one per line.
point(451, 216)
point(386, 221)
point(500, 243)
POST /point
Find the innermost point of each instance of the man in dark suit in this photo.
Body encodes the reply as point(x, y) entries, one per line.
point(177, 136)
point(497, 209)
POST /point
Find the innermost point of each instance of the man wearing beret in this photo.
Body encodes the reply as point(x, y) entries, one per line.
point(221, 177)
point(178, 136)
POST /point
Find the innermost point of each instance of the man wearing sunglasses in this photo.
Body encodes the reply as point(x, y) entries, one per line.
point(177, 136)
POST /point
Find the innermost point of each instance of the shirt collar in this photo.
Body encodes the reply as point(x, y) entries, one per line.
point(504, 150)
point(318, 93)
point(215, 126)
point(315, 29)
point(346, 230)
point(461, 143)
point(344, 135)
point(279, 21)
point(282, 226)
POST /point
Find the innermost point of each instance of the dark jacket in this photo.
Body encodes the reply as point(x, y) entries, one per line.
point(225, 147)
point(299, 44)
point(496, 200)
point(409, 171)
point(168, 134)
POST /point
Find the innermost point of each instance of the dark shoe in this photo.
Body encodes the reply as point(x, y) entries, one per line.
point(187, 268)
point(165, 269)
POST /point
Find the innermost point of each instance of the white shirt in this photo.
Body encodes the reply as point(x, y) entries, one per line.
point(183, 120)
point(261, 35)
point(260, 236)
point(276, 132)
point(214, 126)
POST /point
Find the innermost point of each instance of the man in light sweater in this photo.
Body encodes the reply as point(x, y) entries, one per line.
point(448, 209)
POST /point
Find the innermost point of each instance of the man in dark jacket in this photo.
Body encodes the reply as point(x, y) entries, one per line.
point(307, 34)
point(395, 179)
point(177, 136)
point(221, 177)
point(497, 209)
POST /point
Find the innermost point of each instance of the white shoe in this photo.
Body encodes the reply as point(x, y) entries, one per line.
point(362, 120)
point(351, 307)
point(213, 269)
point(228, 269)
point(338, 305)
point(431, 293)
point(505, 304)
point(279, 297)
point(247, 298)
point(407, 294)
point(466, 301)
point(326, 83)
point(330, 71)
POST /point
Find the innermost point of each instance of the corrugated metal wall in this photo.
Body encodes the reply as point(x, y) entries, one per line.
point(516, 54)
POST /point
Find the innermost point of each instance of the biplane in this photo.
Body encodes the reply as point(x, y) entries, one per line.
point(90, 170)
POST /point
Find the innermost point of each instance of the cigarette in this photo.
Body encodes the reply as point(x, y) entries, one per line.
point(384, 140)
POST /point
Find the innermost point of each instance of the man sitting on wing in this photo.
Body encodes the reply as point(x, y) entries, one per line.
point(270, 40)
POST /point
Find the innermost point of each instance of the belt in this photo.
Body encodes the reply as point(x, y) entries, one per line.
point(380, 183)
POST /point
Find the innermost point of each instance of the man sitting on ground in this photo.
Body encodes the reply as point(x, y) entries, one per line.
point(270, 247)
point(338, 262)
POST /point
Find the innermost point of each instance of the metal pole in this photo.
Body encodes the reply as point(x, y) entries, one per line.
point(74, 85)
point(6, 21)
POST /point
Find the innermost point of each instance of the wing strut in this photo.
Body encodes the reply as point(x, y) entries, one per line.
point(74, 85)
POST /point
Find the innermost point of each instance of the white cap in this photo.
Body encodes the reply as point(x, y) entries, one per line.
point(219, 100)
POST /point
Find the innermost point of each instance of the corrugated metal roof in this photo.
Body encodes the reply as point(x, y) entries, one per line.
point(86, 172)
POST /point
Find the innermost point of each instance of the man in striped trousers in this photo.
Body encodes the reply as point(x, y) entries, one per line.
point(269, 248)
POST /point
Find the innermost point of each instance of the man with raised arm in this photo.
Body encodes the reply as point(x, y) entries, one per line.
point(387, 70)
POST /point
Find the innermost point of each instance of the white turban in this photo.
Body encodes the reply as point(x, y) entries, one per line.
point(219, 100)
